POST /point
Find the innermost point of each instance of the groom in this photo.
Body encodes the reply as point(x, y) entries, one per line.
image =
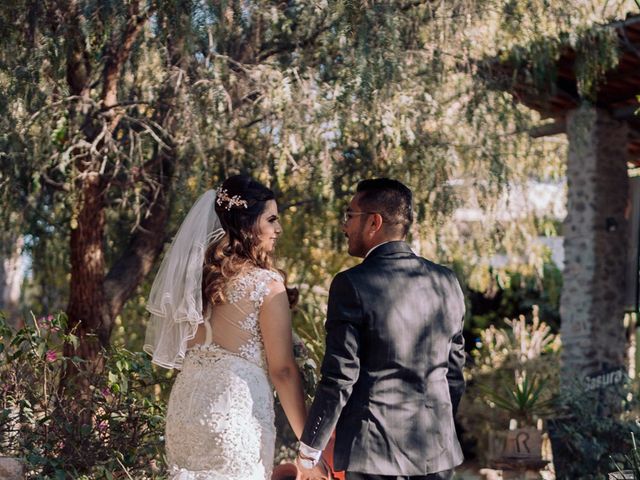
point(392, 371)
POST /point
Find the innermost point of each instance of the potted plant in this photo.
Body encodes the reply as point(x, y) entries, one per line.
point(511, 382)
point(526, 402)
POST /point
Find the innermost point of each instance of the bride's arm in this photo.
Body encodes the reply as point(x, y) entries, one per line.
point(275, 324)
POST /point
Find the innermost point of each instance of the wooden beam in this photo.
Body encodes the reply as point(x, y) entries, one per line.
point(547, 129)
point(628, 111)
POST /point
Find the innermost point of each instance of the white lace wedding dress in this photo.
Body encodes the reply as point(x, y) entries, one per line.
point(220, 419)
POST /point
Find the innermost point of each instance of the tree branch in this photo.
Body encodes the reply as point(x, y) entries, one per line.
point(146, 243)
point(148, 239)
point(118, 53)
point(267, 51)
point(78, 59)
point(133, 103)
point(52, 183)
point(413, 4)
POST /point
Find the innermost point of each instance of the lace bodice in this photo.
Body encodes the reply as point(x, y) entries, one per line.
point(220, 417)
point(234, 325)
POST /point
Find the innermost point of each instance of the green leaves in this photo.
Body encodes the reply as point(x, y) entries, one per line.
point(631, 459)
point(123, 418)
point(524, 398)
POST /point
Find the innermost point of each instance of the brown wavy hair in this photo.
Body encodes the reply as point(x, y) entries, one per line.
point(239, 248)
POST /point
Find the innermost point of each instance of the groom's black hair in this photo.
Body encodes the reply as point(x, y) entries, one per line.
point(391, 198)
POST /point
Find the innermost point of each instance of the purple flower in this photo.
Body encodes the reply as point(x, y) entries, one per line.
point(46, 323)
point(51, 356)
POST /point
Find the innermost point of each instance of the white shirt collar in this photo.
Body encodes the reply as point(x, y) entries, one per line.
point(378, 245)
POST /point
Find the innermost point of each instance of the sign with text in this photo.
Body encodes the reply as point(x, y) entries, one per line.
point(523, 443)
point(605, 378)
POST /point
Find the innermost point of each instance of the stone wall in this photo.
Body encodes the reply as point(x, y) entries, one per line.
point(11, 469)
point(595, 233)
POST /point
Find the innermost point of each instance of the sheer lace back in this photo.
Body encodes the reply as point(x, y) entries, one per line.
point(234, 325)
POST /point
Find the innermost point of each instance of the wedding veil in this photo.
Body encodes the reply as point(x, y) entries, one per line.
point(175, 301)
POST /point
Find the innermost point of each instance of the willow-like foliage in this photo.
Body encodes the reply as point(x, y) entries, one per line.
point(309, 97)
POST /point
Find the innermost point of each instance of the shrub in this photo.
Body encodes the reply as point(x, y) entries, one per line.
point(630, 459)
point(585, 437)
point(123, 435)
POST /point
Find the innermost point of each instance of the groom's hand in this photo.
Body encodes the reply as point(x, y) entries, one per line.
point(306, 471)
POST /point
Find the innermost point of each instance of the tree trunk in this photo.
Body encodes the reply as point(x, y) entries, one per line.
point(88, 310)
point(96, 297)
point(11, 276)
point(89, 314)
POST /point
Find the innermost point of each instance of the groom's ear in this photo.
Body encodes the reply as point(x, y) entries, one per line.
point(376, 223)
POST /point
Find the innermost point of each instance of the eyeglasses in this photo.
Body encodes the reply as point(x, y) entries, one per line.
point(348, 215)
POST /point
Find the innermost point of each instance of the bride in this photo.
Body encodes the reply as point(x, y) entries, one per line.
point(220, 313)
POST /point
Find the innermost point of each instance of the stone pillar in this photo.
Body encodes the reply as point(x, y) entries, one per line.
point(595, 243)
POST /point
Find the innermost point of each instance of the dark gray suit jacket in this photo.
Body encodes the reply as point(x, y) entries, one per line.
point(392, 371)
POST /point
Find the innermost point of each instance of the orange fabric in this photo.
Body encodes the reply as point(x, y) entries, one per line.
point(328, 454)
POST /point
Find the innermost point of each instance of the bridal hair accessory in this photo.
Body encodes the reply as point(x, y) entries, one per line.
point(236, 201)
point(175, 301)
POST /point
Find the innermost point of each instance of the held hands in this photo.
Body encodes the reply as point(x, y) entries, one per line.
point(306, 471)
point(322, 469)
